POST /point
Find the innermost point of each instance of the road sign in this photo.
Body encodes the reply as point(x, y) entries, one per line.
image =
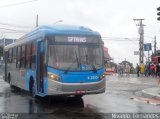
point(136, 52)
point(147, 47)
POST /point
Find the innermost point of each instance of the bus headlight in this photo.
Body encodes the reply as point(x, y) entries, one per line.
point(53, 76)
point(102, 77)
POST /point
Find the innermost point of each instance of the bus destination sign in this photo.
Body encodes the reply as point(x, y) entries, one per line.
point(77, 39)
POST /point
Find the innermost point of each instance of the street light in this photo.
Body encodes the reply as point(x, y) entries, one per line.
point(58, 21)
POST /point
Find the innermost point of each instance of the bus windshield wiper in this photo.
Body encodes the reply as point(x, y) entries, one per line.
point(94, 68)
point(76, 60)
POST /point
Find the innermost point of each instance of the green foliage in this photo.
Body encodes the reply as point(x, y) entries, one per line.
point(1, 51)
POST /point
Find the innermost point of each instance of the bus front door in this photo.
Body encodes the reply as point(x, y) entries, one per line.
point(40, 67)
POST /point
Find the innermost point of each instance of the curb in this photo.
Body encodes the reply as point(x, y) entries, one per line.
point(149, 92)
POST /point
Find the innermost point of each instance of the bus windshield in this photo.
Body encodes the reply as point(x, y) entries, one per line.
point(75, 57)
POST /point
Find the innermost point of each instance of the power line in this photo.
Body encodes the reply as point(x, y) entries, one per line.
point(15, 4)
point(11, 25)
point(119, 39)
point(114, 37)
point(13, 30)
point(124, 41)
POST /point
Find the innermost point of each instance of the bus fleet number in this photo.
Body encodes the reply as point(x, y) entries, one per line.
point(92, 77)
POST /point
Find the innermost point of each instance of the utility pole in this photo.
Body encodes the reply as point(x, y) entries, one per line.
point(141, 39)
point(37, 20)
point(155, 45)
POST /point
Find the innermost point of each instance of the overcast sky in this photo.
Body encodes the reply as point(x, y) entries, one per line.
point(111, 18)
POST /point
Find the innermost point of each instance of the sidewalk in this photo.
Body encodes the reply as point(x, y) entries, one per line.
point(155, 92)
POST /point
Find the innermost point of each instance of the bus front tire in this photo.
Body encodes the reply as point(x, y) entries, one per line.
point(13, 88)
point(78, 96)
point(9, 81)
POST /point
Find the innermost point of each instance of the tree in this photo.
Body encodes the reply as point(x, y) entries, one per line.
point(1, 51)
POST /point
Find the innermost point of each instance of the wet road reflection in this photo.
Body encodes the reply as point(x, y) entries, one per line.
point(19, 101)
point(118, 98)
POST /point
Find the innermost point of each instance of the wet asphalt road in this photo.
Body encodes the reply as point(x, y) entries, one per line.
point(119, 95)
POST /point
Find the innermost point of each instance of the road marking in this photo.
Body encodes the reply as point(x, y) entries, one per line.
point(151, 93)
point(147, 100)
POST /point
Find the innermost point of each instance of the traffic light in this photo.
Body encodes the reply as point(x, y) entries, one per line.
point(158, 9)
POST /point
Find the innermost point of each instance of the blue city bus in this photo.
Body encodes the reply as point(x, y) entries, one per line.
point(58, 60)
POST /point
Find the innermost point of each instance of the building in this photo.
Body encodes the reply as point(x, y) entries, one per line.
point(110, 66)
point(6, 41)
point(155, 58)
point(107, 57)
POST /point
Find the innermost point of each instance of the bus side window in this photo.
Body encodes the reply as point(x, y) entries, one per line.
point(18, 57)
point(14, 54)
point(22, 61)
point(33, 55)
point(10, 56)
point(28, 53)
point(6, 56)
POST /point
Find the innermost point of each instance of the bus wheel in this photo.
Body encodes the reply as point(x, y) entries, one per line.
point(9, 80)
point(78, 96)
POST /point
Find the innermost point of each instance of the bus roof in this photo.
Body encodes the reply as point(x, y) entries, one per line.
point(63, 29)
point(57, 30)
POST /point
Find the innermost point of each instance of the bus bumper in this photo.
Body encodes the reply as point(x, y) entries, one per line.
point(58, 88)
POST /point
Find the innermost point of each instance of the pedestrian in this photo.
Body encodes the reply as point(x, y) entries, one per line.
point(146, 70)
point(127, 69)
point(118, 70)
point(152, 69)
point(142, 69)
point(121, 70)
point(157, 70)
point(149, 71)
point(137, 69)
